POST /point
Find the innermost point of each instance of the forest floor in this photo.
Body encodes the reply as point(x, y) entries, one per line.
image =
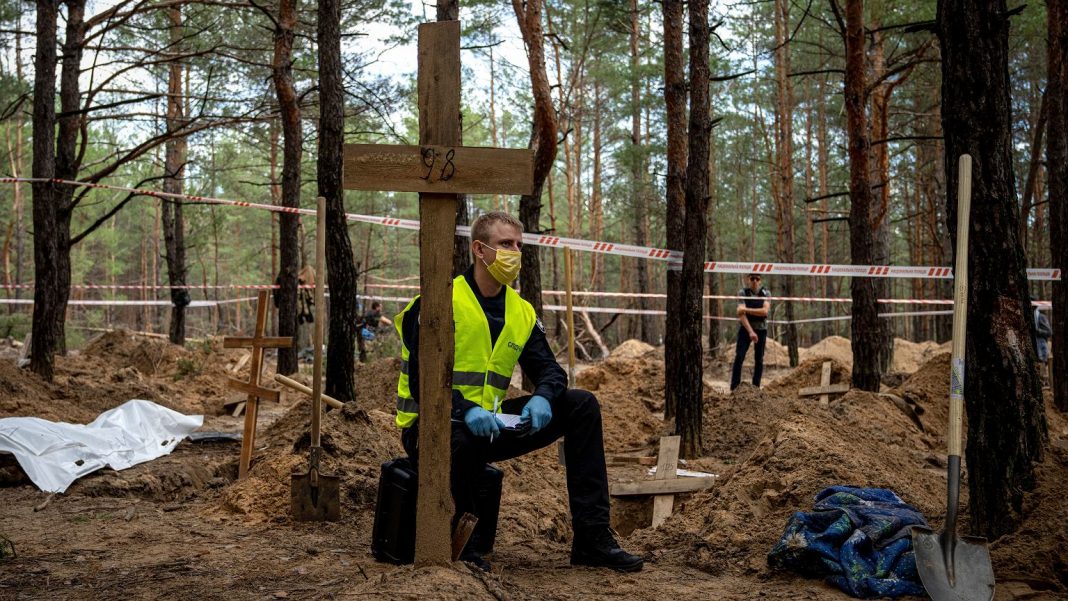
point(183, 527)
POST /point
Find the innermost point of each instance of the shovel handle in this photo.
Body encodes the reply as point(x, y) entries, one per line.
point(317, 337)
point(960, 305)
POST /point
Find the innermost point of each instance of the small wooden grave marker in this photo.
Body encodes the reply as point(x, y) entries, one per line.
point(664, 485)
point(666, 466)
point(438, 169)
point(252, 388)
point(825, 388)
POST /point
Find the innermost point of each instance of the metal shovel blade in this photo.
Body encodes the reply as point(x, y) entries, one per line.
point(315, 497)
point(953, 568)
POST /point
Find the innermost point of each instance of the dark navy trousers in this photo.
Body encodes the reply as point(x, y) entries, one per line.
point(740, 349)
point(576, 417)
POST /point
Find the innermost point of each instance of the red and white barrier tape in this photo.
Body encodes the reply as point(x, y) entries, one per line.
point(642, 252)
point(594, 294)
point(398, 299)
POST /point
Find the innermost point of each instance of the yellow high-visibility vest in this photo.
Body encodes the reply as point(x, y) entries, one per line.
point(481, 369)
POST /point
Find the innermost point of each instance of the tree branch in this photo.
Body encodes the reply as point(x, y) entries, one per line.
point(111, 213)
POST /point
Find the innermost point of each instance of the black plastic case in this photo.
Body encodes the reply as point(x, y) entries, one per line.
point(393, 536)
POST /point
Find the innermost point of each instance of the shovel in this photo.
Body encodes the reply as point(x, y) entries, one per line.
point(315, 496)
point(951, 567)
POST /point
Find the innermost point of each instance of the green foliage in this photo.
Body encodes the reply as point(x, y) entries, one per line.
point(587, 51)
point(15, 325)
point(187, 367)
point(7, 549)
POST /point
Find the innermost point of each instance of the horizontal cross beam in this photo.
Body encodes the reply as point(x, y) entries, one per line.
point(253, 390)
point(438, 169)
point(258, 341)
point(831, 389)
point(661, 487)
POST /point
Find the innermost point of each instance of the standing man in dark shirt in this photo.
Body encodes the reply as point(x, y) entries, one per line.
point(495, 329)
point(752, 328)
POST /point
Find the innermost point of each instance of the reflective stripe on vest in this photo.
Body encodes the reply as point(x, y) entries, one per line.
point(482, 371)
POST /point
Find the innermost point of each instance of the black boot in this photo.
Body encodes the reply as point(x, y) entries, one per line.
point(474, 558)
point(597, 547)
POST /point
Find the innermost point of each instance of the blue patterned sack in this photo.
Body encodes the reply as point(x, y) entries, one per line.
point(858, 539)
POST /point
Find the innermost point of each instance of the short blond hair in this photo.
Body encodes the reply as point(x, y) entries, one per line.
point(480, 229)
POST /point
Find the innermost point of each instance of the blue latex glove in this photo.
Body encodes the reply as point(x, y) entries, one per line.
point(482, 423)
point(538, 412)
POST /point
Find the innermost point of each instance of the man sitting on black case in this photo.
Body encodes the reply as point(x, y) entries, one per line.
point(495, 329)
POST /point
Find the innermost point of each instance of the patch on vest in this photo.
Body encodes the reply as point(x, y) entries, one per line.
point(515, 347)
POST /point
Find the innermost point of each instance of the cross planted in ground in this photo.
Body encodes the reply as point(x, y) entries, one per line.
point(438, 169)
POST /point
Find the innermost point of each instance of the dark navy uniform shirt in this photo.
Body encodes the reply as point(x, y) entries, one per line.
point(537, 360)
point(755, 300)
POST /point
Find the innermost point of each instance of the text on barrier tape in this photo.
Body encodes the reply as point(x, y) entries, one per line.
point(673, 257)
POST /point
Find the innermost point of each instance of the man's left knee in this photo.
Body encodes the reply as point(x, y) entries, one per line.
point(583, 401)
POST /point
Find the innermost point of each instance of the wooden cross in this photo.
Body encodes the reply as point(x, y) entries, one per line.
point(667, 461)
point(438, 169)
point(825, 388)
point(252, 388)
point(664, 485)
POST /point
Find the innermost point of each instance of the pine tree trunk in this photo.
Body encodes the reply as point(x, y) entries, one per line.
point(542, 141)
point(689, 385)
point(174, 168)
point(880, 178)
point(1057, 166)
point(52, 222)
point(639, 195)
point(823, 160)
point(48, 246)
point(1038, 129)
point(1006, 421)
point(784, 150)
point(596, 208)
point(18, 170)
point(869, 331)
point(711, 242)
point(288, 223)
point(676, 200)
point(341, 271)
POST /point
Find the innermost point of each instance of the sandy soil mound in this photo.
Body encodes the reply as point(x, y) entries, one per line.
point(630, 349)
point(734, 424)
point(833, 347)
point(355, 443)
point(805, 448)
point(184, 515)
point(417, 584)
point(630, 391)
point(908, 356)
point(376, 384)
point(23, 394)
point(1035, 554)
point(775, 355)
point(928, 391)
point(808, 373)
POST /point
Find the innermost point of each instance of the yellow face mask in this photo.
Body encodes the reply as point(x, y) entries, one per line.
point(505, 268)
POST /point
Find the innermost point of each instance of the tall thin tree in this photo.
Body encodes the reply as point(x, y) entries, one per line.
point(542, 141)
point(341, 270)
point(869, 331)
point(639, 194)
point(292, 140)
point(784, 164)
point(675, 107)
point(1057, 167)
point(174, 173)
point(690, 385)
point(48, 217)
point(1003, 398)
